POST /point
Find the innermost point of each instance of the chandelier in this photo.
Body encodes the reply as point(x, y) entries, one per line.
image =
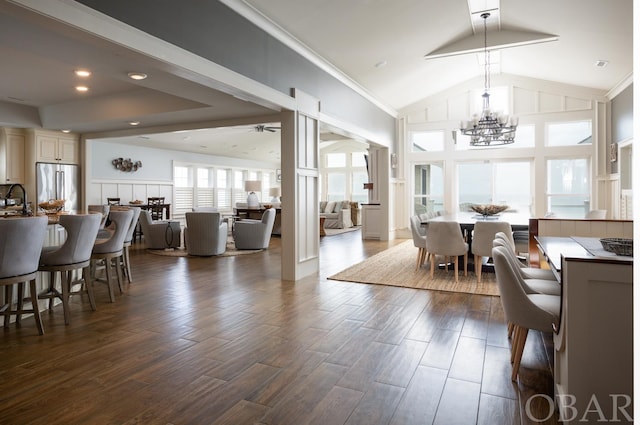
point(491, 128)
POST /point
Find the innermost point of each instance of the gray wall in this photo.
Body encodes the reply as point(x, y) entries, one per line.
point(621, 119)
point(212, 30)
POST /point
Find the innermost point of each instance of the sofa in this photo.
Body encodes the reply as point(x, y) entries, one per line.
point(339, 214)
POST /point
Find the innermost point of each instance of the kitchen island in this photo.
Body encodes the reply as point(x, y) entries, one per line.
point(593, 343)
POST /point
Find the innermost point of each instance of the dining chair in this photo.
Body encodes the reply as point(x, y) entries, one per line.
point(100, 209)
point(106, 251)
point(484, 232)
point(445, 238)
point(156, 207)
point(73, 254)
point(20, 247)
point(523, 309)
point(527, 272)
point(419, 234)
point(128, 240)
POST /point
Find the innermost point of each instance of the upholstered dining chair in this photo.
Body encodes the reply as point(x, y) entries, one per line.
point(540, 284)
point(73, 254)
point(522, 309)
point(254, 234)
point(20, 248)
point(527, 272)
point(109, 250)
point(205, 234)
point(159, 234)
point(484, 232)
point(445, 238)
point(419, 234)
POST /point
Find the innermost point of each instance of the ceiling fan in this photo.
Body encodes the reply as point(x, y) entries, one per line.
point(262, 128)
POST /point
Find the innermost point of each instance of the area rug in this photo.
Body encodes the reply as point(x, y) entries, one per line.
point(182, 252)
point(396, 266)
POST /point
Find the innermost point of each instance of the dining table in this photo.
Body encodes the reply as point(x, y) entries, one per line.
point(165, 207)
point(468, 219)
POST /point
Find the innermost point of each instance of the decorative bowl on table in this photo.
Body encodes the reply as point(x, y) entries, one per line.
point(52, 207)
point(267, 206)
point(136, 202)
point(489, 209)
point(618, 246)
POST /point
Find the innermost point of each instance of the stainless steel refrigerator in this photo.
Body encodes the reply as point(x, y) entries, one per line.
point(58, 181)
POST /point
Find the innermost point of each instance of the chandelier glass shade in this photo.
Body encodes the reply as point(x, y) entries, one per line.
point(490, 128)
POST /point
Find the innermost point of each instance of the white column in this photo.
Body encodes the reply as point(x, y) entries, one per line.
point(300, 183)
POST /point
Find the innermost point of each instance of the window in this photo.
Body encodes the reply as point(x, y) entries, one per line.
point(204, 193)
point(568, 187)
point(181, 176)
point(336, 185)
point(358, 192)
point(426, 141)
point(569, 133)
point(503, 183)
point(429, 188)
point(336, 160)
point(223, 190)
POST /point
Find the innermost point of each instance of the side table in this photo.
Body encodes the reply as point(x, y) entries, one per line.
point(322, 232)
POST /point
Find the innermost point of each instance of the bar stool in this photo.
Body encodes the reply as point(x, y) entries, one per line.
point(21, 241)
point(110, 248)
point(73, 254)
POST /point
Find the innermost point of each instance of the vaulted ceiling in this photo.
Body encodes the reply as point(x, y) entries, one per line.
point(379, 45)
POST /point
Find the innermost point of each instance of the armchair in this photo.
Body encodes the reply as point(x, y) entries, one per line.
point(205, 234)
point(254, 234)
point(159, 234)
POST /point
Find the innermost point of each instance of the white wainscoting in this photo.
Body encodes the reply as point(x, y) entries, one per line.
point(100, 190)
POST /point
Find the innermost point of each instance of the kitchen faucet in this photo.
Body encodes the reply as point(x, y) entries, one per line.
point(24, 194)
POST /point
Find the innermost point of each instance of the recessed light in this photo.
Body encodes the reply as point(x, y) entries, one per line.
point(601, 63)
point(82, 73)
point(137, 75)
point(381, 64)
point(82, 88)
point(134, 122)
point(66, 131)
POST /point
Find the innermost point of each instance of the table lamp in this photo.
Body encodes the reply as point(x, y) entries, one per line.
point(253, 186)
point(274, 192)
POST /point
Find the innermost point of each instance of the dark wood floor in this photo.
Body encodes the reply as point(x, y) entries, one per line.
point(225, 341)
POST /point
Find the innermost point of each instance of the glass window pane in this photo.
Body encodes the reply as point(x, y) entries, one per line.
point(221, 178)
point(428, 188)
point(567, 176)
point(426, 141)
point(335, 160)
point(238, 180)
point(357, 159)
point(569, 133)
point(474, 185)
point(567, 206)
point(203, 177)
point(513, 186)
point(181, 176)
point(336, 185)
point(358, 192)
